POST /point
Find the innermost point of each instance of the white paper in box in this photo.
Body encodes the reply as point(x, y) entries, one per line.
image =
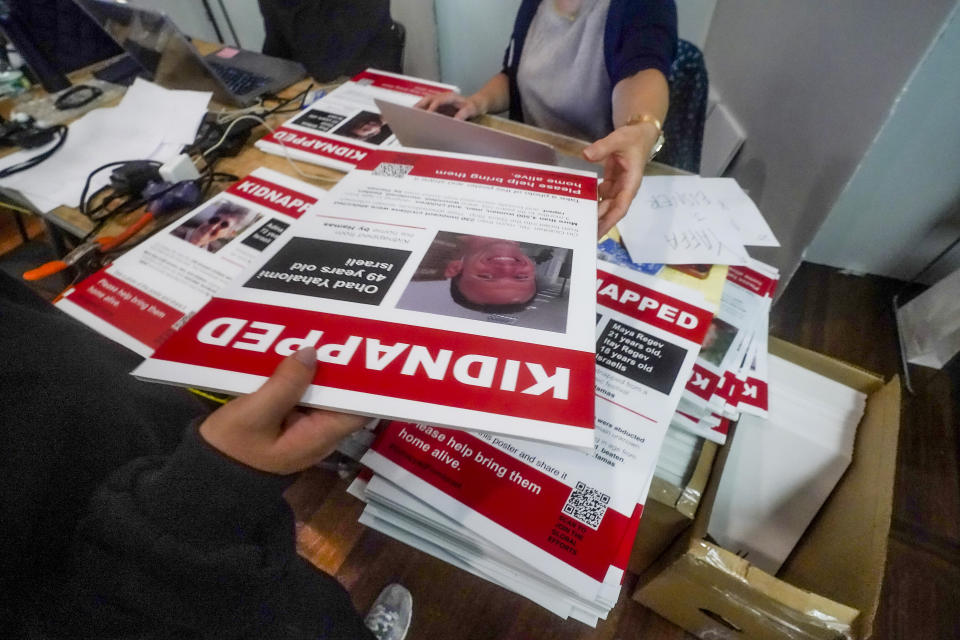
point(781, 470)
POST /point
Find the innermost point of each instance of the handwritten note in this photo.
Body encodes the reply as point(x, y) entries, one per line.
point(744, 214)
point(680, 220)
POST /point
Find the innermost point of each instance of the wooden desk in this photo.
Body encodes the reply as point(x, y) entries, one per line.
point(74, 223)
point(71, 221)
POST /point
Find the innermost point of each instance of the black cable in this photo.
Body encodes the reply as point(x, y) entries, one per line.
point(102, 206)
point(303, 102)
point(210, 176)
point(78, 96)
point(207, 176)
point(229, 23)
point(213, 20)
point(127, 245)
point(35, 160)
point(302, 96)
point(209, 130)
point(86, 184)
point(135, 203)
point(131, 204)
point(294, 110)
point(96, 229)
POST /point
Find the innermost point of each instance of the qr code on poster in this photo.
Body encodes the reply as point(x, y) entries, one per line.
point(392, 170)
point(587, 505)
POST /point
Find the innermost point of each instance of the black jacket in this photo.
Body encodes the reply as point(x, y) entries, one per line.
point(119, 520)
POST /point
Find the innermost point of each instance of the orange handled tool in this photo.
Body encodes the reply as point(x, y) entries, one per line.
point(56, 266)
point(48, 269)
point(101, 244)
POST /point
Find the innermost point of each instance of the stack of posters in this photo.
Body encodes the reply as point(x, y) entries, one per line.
point(548, 522)
point(696, 230)
point(695, 224)
point(439, 288)
point(730, 375)
point(678, 457)
point(340, 129)
point(142, 297)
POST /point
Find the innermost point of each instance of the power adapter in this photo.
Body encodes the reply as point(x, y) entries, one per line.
point(131, 178)
point(211, 131)
point(237, 138)
point(23, 131)
point(33, 138)
point(179, 169)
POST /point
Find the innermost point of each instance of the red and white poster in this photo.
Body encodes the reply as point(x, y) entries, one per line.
point(754, 393)
point(744, 306)
point(563, 520)
point(439, 288)
point(341, 128)
point(712, 426)
point(141, 298)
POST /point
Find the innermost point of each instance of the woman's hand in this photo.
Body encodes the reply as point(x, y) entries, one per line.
point(466, 108)
point(624, 154)
point(266, 431)
point(493, 97)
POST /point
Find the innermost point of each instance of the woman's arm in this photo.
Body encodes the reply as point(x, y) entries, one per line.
point(640, 102)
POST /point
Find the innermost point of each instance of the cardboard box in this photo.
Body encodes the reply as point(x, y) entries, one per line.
point(830, 585)
point(669, 511)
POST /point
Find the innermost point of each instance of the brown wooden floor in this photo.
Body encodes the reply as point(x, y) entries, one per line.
point(850, 318)
point(11, 235)
point(843, 316)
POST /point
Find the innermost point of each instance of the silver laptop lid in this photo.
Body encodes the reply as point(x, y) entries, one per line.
point(427, 130)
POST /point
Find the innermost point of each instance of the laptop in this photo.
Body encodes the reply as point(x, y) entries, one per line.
point(430, 130)
point(166, 55)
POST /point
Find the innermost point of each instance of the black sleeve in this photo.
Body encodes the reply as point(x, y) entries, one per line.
point(198, 545)
point(71, 415)
point(641, 34)
point(332, 38)
point(116, 524)
point(274, 42)
point(191, 544)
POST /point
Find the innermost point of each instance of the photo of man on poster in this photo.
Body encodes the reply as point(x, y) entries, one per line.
point(492, 279)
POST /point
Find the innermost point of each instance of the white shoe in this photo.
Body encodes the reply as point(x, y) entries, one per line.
point(389, 617)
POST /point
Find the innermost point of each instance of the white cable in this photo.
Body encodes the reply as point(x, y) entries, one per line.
point(226, 115)
point(286, 152)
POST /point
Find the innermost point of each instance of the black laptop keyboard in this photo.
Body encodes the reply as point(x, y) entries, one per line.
point(239, 81)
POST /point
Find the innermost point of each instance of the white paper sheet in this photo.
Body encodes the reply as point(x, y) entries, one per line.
point(175, 113)
point(674, 221)
point(147, 124)
point(744, 214)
